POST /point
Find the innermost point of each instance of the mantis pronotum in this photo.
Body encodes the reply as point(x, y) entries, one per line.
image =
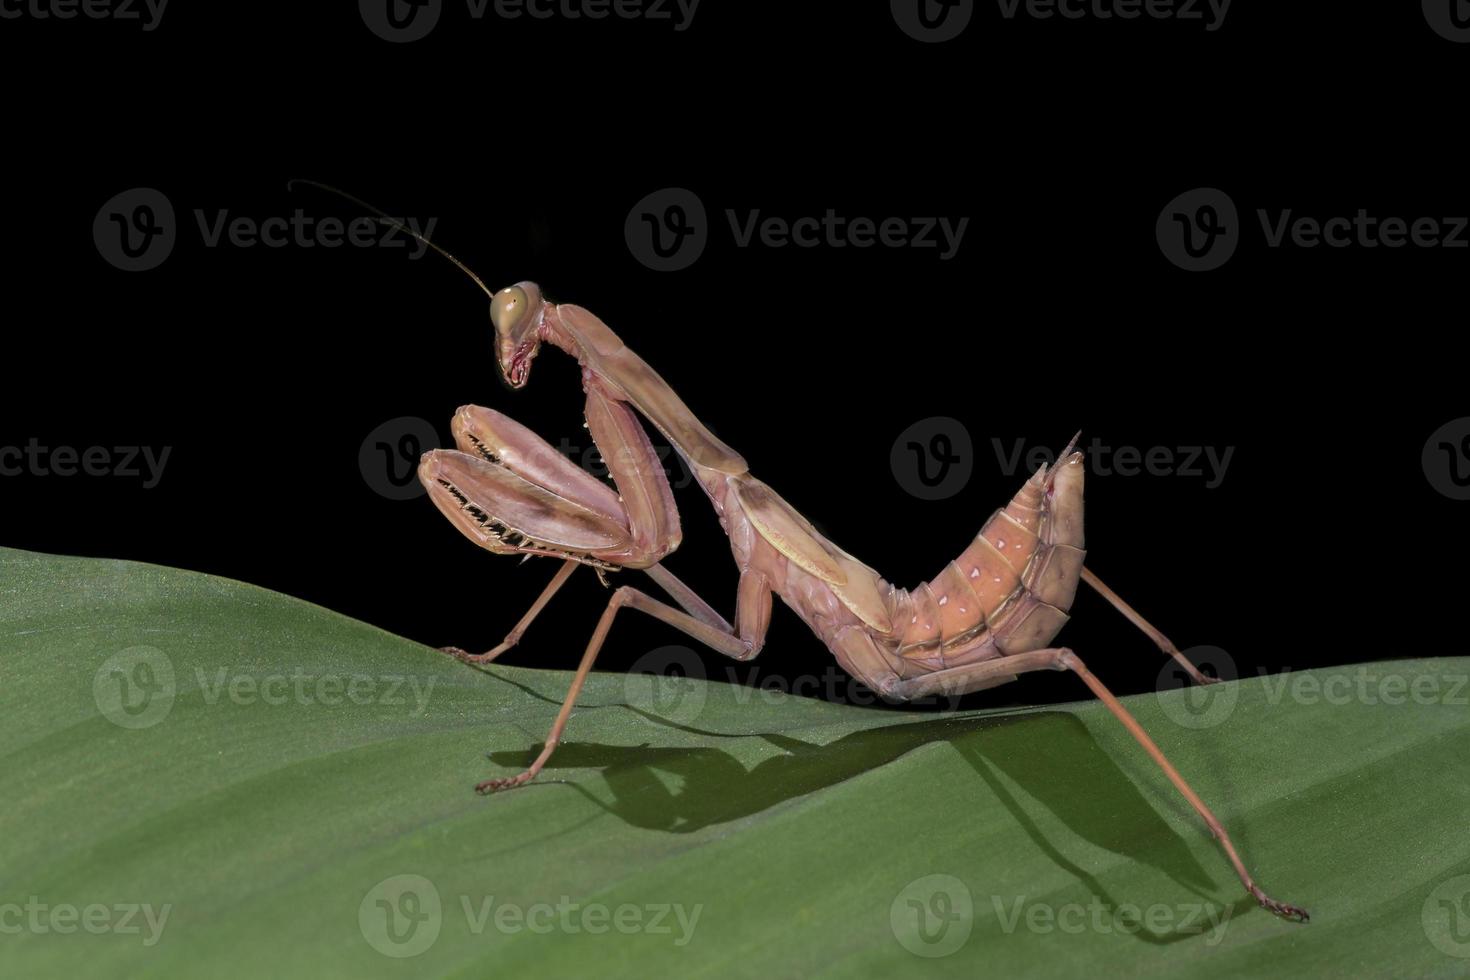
point(989, 616)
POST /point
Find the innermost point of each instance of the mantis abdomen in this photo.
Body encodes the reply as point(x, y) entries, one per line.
point(1008, 592)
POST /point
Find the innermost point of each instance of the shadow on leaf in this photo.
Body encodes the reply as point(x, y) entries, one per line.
point(1052, 758)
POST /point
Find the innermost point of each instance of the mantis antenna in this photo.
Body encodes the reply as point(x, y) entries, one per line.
point(392, 223)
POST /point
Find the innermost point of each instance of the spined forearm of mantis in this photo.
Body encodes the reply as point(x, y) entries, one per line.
point(988, 616)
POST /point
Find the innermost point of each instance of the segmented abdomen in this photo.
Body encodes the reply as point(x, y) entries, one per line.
point(1010, 590)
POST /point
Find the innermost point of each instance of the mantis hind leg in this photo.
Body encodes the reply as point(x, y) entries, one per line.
point(1070, 661)
point(1147, 628)
point(989, 673)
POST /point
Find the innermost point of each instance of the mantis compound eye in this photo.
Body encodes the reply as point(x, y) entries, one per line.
point(507, 308)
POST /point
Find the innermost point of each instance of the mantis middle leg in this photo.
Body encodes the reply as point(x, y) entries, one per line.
point(741, 645)
point(514, 636)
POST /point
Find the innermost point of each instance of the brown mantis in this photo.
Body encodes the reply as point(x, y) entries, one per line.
point(989, 616)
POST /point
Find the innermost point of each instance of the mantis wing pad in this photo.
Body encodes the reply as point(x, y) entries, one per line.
point(786, 531)
point(854, 584)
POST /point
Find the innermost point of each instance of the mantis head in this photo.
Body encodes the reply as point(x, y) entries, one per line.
point(516, 312)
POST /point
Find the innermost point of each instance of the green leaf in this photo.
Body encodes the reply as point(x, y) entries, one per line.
point(292, 789)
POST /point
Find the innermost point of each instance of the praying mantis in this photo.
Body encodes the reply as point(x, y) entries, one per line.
point(987, 617)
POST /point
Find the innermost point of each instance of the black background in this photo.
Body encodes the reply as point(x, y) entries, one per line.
point(264, 369)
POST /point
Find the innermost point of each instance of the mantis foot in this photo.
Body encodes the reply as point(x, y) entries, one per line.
point(1280, 908)
point(509, 782)
point(458, 653)
point(465, 657)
